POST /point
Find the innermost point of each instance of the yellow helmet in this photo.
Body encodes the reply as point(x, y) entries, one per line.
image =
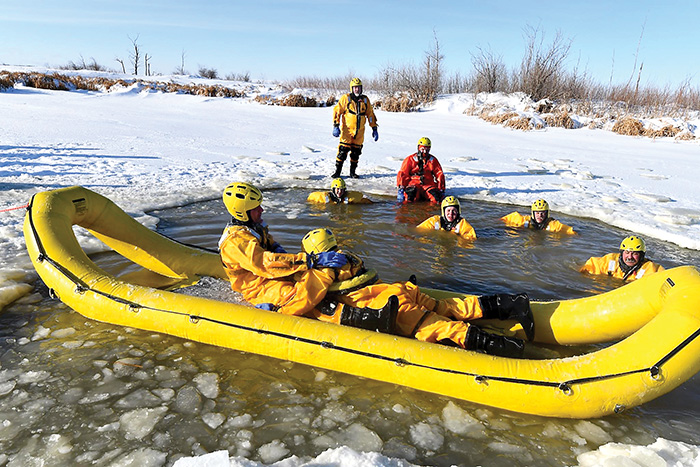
point(450, 201)
point(318, 240)
point(540, 205)
point(355, 82)
point(633, 243)
point(424, 141)
point(239, 198)
point(338, 183)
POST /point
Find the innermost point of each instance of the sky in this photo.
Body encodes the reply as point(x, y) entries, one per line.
point(282, 40)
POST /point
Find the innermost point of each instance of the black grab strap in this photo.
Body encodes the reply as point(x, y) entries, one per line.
point(565, 386)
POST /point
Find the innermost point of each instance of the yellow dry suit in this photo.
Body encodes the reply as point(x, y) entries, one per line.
point(515, 219)
point(419, 315)
point(610, 265)
point(328, 197)
point(461, 228)
point(263, 276)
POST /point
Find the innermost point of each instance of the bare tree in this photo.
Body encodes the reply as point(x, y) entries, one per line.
point(121, 62)
point(135, 55)
point(147, 65)
point(489, 71)
point(181, 69)
point(542, 66)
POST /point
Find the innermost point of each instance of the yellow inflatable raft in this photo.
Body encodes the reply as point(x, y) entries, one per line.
point(659, 313)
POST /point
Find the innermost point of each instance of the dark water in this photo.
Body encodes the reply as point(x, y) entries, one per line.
point(79, 392)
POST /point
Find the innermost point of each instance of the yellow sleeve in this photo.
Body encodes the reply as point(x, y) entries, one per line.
point(430, 223)
point(371, 118)
point(600, 265)
point(320, 197)
point(466, 231)
point(356, 197)
point(340, 109)
point(515, 219)
point(241, 250)
point(310, 288)
point(556, 226)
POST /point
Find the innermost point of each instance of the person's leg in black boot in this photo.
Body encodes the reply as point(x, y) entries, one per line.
point(381, 320)
point(492, 344)
point(505, 306)
point(354, 160)
point(340, 160)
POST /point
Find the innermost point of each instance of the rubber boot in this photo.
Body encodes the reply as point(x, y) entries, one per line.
point(505, 306)
point(381, 320)
point(338, 168)
point(493, 344)
point(353, 167)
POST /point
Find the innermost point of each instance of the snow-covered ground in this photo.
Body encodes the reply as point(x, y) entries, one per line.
point(147, 150)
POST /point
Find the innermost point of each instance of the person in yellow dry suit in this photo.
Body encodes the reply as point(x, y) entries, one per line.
point(538, 220)
point(270, 278)
point(259, 268)
point(450, 220)
point(349, 117)
point(629, 264)
point(419, 315)
point(338, 195)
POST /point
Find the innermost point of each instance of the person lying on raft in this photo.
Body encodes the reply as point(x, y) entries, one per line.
point(450, 220)
point(263, 272)
point(628, 264)
point(338, 195)
point(538, 220)
point(418, 314)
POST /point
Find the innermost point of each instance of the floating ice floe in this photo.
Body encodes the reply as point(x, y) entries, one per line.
point(276, 153)
point(653, 198)
point(654, 176)
point(309, 149)
point(450, 169)
point(464, 159)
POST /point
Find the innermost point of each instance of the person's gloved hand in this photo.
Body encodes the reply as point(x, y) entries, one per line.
point(277, 248)
point(375, 133)
point(336, 131)
point(401, 195)
point(266, 306)
point(326, 259)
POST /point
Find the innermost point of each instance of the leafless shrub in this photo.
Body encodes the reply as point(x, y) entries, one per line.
point(209, 73)
point(297, 100)
point(629, 126)
point(519, 123)
point(399, 103)
point(331, 101)
point(245, 77)
point(497, 118)
point(542, 67)
point(268, 100)
point(6, 82)
point(82, 65)
point(667, 131)
point(489, 71)
point(560, 118)
point(685, 136)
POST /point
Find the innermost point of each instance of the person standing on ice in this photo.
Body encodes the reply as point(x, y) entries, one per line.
point(538, 220)
point(338, 195)
point(629, 264)
point(450, 220)
point(269, 277)
point(421, 316)
point(349, 117)
point(420, 176)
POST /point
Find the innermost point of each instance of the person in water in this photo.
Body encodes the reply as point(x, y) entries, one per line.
point(338, 195)
point(538, 220)
point(419, 315)
point(420, 177)
point(263, 272)
point(450, 220)
point(629, 264)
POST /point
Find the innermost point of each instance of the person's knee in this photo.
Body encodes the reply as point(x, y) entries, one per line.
point(343, 152)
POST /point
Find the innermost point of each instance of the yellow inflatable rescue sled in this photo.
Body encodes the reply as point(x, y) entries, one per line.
point(657, 318)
